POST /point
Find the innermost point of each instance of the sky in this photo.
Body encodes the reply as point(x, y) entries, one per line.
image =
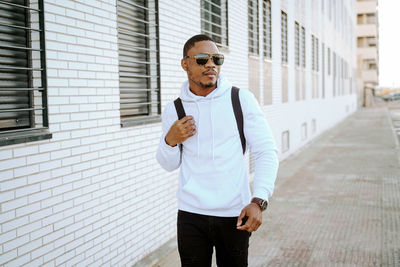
point(389, 42)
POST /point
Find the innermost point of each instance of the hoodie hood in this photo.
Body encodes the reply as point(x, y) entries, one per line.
point(222, 86)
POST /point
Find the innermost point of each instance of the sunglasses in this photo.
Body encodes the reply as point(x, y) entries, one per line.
point(202, 58)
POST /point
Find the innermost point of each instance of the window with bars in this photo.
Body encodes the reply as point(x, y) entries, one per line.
point(253, 27)
point(297, 43)
point(316, 54)
point(23, 82)
point(329, 61)
point(303, 46)
point(313, 52)
point(284, 43)
point(267, 29)
point(138, 51)
point(214, 20)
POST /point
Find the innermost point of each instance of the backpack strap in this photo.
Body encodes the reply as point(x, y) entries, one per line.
point(237, 109)
point(179, 108)
point(181, 113)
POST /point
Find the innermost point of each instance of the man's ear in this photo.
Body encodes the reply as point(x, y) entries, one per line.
point(183, 64)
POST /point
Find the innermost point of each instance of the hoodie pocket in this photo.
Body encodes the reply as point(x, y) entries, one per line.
point(212, 192)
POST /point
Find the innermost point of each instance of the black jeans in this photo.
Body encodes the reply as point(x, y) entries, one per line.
point(198, 234)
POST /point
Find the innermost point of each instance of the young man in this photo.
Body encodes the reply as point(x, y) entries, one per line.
point(216, 208)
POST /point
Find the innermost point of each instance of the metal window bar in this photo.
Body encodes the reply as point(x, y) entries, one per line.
point(17, 84)
point(19, 48)
point(19, 110)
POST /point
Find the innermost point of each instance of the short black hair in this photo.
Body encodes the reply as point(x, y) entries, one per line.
point(197, 38)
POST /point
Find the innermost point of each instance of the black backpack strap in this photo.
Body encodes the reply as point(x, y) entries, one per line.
point(179, 108)
point(237, 109)
point(181, 113)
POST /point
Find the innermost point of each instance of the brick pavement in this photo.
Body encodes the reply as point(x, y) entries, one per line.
point(336, 203)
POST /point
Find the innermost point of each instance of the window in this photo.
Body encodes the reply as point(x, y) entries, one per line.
point(313, 51)
point(329, 61)
point(285, 141)
point(23, 82)
point(313, 126)
point(360, 19)
point(303, 46)
point(371, 41)
point(297, 43)
point(304, 131)
point(253, 27)
point(316, 54)
point(371, 18)
point(284, 43)
point(267, 29)
point(360, 42)
point(214, 20)
point(138, 61)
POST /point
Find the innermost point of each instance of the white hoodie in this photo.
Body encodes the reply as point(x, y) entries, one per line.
point(213, 176)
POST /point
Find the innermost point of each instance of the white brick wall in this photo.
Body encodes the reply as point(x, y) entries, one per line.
point(94, 194)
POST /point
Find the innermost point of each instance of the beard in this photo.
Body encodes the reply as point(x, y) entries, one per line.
point(207, 85)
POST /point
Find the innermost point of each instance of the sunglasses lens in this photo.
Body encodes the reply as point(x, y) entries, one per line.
point(218, 60)
point(202, 58)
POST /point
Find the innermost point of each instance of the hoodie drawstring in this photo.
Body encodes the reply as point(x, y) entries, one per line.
point(197, 130)
point(212, 126)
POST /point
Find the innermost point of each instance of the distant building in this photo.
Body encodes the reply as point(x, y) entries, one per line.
point(83, 85)
point(367, 48)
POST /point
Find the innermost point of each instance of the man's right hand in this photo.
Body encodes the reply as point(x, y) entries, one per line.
point(180, 131)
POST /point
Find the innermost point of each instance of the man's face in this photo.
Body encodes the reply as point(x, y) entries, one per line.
point(204, 76)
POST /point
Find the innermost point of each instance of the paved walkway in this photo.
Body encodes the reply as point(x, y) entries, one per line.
point(336, 203)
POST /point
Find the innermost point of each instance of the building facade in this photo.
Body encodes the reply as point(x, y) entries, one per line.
point(83, 85)
point(367, 49)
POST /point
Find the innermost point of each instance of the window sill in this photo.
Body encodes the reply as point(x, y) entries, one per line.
point(24, 137)
point(140, 121)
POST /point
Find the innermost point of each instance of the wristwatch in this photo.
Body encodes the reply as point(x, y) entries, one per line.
point(263, 204)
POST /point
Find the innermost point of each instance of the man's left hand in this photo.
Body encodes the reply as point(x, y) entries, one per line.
point(254, 218)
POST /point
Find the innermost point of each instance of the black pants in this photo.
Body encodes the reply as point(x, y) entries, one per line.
point(198, 234)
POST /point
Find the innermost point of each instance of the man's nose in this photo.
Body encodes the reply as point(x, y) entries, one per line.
point(210, 63)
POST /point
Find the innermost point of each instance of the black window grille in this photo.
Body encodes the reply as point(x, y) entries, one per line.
point(267, 29)
point(284, 40)
point(253, 27)
point(303, 46)
point(297, 43)
point(214, 20)
point(138, 49)
point(23, 84)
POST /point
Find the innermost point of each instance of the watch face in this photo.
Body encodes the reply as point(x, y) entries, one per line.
point(264, 205)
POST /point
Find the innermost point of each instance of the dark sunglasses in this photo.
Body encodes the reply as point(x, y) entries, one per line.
point(202, 58)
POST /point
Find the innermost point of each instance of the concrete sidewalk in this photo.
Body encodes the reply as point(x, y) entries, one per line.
point(336, 203)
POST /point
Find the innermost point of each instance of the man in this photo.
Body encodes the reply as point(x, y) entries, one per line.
point(216, 208)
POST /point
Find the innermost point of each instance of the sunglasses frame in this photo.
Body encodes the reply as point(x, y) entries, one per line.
point(200, 56)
